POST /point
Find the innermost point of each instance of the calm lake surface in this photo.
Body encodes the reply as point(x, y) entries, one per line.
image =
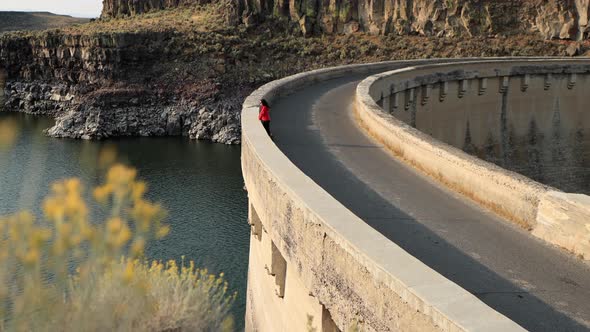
point(199, 183)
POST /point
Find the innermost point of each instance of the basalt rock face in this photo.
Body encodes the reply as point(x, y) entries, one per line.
point(107, 116)
point(100, 86)
point(80, 58)
point(449, 17)
point(119, 8)
point(427, 17)
point(564, 19)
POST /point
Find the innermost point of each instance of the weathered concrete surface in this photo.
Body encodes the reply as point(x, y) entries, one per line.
point(507, 193)
point(354, 272)
point(564, 219)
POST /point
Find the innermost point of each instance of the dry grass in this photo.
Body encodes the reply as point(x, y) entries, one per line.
point(192, 19)
point(14, 21)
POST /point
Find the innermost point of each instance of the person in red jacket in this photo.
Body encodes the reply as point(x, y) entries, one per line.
point(264, 115)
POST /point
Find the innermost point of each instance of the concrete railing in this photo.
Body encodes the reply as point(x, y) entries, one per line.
point(560, 219)
point(312, 258)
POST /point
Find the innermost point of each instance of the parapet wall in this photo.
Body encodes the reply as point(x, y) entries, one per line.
point(313, 263)
point(429, 93)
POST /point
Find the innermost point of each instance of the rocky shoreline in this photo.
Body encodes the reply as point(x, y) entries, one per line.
point(141, 71)
point(109, 113)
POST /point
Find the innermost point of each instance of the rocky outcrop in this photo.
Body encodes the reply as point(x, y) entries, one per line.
point(221, 124)
point(120, 8)
point(108, 113)
point(564, 19)
point(163, 75)
point(71, 58)
point(86, 82)
point(218, 125)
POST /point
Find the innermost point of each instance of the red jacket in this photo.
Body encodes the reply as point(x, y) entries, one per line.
point(264, 115)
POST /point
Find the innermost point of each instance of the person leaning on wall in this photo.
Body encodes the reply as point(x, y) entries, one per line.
point(264, 115)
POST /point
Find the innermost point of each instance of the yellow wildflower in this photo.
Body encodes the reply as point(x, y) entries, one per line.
point(101, 194)
point(122, 237)
point(137, 247)
point(107, 157)
point(31, 257)
point(114, 225)
point(129, 271)
point(163, 231)
point(138, 190)
point(8, 133)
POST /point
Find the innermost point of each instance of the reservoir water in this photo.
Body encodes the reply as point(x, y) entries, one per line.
point(199, 183)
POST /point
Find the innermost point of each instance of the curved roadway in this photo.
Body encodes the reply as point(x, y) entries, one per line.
point(538, 286)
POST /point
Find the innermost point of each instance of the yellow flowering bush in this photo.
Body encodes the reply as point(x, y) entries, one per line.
point(8, 133)
point(67, 273)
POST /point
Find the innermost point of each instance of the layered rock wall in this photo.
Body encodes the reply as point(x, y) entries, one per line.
point(101, 85)
point(79, 58)
point(118, 8)
point(565, 19)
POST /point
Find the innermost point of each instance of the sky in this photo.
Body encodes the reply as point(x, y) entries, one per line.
point(78, 8)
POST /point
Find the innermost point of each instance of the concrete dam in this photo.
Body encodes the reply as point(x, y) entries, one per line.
point(534, 124)
point(421, 196)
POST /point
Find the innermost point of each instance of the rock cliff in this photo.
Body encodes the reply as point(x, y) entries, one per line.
point(565, 19)
point(186, 71)
point(102, 85)
point(118, 8)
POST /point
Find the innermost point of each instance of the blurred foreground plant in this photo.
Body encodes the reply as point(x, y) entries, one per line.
point(66, 273)
point(8, 133)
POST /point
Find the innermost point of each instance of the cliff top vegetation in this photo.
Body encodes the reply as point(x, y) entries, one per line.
point(199, 56)
point(14, 21)
point(194, 48)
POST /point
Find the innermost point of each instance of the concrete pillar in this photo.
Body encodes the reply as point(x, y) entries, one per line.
point(410, 97)
point(504, 84)
point(526, 80)
point(483, 86)
point(254, 222)
point(278, 268)
point(463, 84)
point(426, 92)
point(394, 102)
point(444, 90)
point(548, 81)
point(572, 81)
point(387, 104)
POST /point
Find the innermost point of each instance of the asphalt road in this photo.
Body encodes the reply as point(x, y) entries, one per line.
point(538, 286)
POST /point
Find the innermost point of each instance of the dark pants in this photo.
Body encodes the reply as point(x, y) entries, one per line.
point(266, 125)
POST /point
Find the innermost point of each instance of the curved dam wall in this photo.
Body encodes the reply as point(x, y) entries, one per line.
point(527, 116)
point(314, 264)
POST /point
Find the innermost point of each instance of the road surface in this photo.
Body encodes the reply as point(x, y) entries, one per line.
point(538, 286)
